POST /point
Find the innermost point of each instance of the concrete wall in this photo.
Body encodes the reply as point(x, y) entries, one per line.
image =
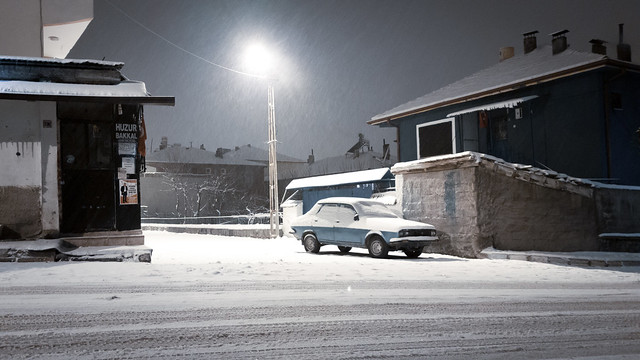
point(619, 218)
point(476, 201)
point(446, 199)
point(28, 181)
point(517, 214)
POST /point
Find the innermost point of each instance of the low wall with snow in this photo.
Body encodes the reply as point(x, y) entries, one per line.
point(477, 201)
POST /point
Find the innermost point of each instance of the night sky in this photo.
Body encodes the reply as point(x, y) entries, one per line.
point(338, 63)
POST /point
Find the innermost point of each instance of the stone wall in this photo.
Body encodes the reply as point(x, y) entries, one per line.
point(477, 201)
point(20, 212)
point(619, 218)
point(515, 214)
point(447, 200)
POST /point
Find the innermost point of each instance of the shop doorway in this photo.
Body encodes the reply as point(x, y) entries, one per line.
point(87, 176)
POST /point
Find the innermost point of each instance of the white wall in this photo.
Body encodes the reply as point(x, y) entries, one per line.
point(29, 167)
point(20, 143)
point(49, 170)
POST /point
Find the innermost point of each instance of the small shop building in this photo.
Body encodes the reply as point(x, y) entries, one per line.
point(71, 150)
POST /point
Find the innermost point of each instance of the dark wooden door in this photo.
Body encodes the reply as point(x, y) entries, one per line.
point(88, 177)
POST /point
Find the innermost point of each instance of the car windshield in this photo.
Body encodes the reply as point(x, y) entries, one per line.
point(374, 209)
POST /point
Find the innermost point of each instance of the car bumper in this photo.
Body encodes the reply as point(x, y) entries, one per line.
point(411, 242)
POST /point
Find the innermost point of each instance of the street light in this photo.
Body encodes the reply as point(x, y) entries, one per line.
point(259, 61)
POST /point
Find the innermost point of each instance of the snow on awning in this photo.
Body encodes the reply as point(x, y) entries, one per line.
point(497, 105)
point(339, 179)
point(126, 91)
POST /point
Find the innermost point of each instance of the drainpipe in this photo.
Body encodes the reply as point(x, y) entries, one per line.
point(607, 118)
point(397, 137)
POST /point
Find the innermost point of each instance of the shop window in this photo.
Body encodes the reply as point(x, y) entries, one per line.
point(436, 138)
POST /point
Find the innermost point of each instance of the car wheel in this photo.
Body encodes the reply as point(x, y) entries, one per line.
point(413, 254)
point(378, 248)
point(311, 244)
point(344, 249)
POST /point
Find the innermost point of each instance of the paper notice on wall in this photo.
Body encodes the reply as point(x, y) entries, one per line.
point(127, 148)
point(129, 165)
point(129, 192)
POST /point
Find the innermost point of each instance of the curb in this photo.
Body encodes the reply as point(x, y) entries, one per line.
point(582, 259)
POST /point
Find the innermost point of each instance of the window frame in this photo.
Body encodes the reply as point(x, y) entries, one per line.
point(452, 120)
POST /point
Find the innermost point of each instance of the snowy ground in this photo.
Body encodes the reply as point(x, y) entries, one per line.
point(208, 296)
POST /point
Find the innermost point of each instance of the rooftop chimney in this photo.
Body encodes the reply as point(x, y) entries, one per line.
point(597, 46)
point(530, 42)
point(559, 41)
point(506, 52)
point(311, 159)
point(624, 50)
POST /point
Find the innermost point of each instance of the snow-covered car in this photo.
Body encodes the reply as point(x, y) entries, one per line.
point(356, 222)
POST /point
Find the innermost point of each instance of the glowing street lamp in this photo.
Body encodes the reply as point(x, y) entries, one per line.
point(259, 61)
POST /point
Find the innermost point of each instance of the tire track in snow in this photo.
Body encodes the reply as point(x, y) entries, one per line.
point(392, 330)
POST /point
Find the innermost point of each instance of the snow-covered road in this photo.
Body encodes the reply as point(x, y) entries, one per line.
point(234, 298)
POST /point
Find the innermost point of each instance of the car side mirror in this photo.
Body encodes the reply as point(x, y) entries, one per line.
point(356, 217)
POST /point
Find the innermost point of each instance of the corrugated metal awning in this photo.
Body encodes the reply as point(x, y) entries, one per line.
point(497, 105)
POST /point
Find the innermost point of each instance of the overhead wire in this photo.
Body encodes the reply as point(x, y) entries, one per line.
point(178, 46)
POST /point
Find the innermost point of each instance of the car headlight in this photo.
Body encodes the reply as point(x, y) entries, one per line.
point(417, 232)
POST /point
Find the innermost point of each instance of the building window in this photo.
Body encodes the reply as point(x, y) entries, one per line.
point(436, 138)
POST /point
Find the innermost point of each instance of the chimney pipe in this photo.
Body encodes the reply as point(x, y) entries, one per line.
point(559, 41)
point(506, 53)
point(597, 46)
point(624, 50)
point(530, 42)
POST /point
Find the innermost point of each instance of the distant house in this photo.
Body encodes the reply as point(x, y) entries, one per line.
point(552, 107)
point(189, 181)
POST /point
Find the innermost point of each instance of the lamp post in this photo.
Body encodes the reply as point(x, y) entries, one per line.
point(274, 217)
point(259, 61)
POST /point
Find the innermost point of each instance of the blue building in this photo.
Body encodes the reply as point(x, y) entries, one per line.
point(551, 107)
point(354, 184)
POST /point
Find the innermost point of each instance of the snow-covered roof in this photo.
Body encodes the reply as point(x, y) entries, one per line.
point(252, 153)
point(364, 176)
point(17, 59)
point(536, 66)
point(527, 172)
point(183, 155)
point(44, 79)
point(244, 155)
point(497, 105)
point(337, 164)
point(124, 89)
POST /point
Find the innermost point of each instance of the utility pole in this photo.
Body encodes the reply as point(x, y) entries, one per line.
point(274, 217)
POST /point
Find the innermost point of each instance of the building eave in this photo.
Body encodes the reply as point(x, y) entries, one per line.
point(147, 100)
point(507, 88)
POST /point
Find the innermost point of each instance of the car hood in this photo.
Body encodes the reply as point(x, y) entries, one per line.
point(394, 224)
